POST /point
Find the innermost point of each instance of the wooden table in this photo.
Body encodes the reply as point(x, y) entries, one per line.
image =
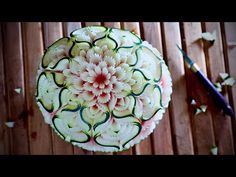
point(180, 132)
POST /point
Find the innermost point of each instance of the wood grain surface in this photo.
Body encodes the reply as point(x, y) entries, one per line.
point(179, 132)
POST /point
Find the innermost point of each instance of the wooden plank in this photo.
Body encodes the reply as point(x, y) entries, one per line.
point(216, 65)
point(161, 137)
point(202, 124)
point(230, 49)
point(52, 32)
point(92, 23)
point(144, 147)
point(39, 132)
point(181, 126)
point(4, 134)
point(132, 26)
point(112, 24)
point(13, 58)
point(69, 27)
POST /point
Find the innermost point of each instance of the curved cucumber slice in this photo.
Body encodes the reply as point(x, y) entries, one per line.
point(80, 137)
point(109, 42)
point(124, 38)
point(126, 112)
point(83, 115)
point(107, 116)
point(149, 63)
point(88, 33)
point(72, 108)
point(137, 127)
point(78, 46)
point(67, 99)
point(140, 82)
point(128, 52)
point(153, 93)
point(95, 119)
point(57, 71)
point(45, 92)
point(61, 64)
point(46, 105)
point(56, 51)
point(63, 129)
point(59, 79)
point(99, 140)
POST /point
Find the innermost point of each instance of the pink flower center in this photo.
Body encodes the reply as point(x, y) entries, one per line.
point(100, 79)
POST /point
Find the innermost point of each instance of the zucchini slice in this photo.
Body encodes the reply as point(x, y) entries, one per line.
point(57, 51)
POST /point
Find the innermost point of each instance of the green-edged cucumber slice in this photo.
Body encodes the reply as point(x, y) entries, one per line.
point(59, 79)
point(66, 132)
point(126, 112)
point(79, 46)
point(149, 63)
point(89, 33)
point(101, 121)
point(62, 64)
point(140, 82)
point(56, 51)
point(95, 119)
point(155, 101)
point(129, 52)
point(46, 91)
point(100, 141)
point(137, 127)
point(57, 71)
point(83, 117)
point(124, 38)
point(47, 106)
point(68, 100)
point(106, 40)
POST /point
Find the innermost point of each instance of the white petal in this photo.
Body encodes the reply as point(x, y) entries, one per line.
point(104, 71)
point(98, 70)
point(84, 76)
point(101, 86)
point(95, 84)
point(92, 73)
point(112, 102)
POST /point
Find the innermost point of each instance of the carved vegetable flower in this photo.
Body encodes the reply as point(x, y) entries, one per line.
point(103, 89)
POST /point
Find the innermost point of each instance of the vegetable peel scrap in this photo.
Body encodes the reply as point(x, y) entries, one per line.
point(10, 124)
point(211, 37)
point(17, 90)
